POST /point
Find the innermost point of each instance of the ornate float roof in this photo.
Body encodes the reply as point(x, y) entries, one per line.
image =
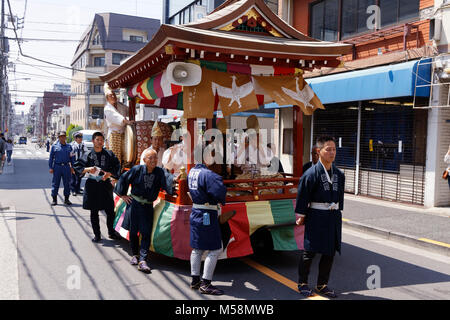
point(238, 31)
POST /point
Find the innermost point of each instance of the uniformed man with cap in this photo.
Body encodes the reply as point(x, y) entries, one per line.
point(60, 163)
point(79, 149)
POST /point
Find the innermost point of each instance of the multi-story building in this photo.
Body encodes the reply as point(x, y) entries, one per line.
point(59, 120)
point(387, 104)
point(51, 100)
point(110, 39)
point(36, 116)
point(185, 11)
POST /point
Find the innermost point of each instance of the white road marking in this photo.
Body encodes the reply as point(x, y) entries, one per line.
point(9, 281)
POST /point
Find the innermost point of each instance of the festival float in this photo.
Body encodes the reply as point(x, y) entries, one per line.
point(239, 58)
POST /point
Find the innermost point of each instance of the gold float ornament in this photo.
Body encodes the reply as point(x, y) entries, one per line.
point(256, 198)
point(252, 13)
point(183, 175)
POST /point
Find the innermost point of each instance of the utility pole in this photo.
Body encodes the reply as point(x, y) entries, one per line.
point(2, 65)
point(87, 109)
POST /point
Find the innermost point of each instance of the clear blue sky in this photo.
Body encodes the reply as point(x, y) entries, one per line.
point(59, 20)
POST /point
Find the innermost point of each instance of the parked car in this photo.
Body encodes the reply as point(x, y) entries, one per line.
point(34, 140)
point(23, 140)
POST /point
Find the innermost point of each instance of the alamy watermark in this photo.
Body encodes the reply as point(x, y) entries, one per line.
point(374, 20)
point(374, 280)
point(236, 147)
point(74, 277)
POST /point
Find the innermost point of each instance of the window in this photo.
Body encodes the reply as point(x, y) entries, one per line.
point(97, 88)
point(324, 20)
point(136, 38)
point(96, 39)
point(97, 112)
point(395, 11)
point(354, 16)
point(99, 61)
point(325, 23)
point(118, 57)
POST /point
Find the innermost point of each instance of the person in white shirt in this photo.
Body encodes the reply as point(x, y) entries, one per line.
point(78, 148)
point(175, 157)
point(115, 122)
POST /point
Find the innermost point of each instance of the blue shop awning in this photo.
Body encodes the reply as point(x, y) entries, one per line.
point(384, 82)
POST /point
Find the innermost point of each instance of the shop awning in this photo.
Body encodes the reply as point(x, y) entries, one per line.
point(384, 82)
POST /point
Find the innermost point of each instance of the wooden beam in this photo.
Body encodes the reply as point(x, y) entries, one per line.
point(132, 109)
point(191, 130)
point(298, 141)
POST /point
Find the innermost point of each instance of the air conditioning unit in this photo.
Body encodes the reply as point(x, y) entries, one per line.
point(435, 29)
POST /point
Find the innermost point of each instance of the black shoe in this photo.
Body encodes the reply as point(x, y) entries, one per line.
point(96, 239)
point(196, 285)
point(114, 236)
point(326, 291)
point(305, 290)
point(74, 194)
point(67, 202)
point(208, 288)
point(196, 282)
point(54, 202)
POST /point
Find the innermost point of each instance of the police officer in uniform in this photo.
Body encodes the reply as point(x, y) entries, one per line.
point(79, 149)
point(60, 163)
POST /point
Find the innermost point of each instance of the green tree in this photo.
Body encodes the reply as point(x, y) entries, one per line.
point(71, 130)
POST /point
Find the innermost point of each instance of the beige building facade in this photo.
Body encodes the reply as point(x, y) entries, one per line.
point(111, 39)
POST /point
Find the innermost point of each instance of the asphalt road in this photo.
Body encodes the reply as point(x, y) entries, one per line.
point(49, 253)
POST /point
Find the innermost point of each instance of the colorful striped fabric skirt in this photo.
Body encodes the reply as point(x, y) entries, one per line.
point(170, 234)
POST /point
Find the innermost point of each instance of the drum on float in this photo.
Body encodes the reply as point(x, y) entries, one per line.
point(129, 146)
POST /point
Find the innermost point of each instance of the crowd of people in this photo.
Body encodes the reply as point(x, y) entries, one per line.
point(319, 200)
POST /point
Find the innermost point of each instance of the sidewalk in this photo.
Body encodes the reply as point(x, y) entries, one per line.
point(414, 225)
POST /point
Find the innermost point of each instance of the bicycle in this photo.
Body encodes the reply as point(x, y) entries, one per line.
point(39, 145)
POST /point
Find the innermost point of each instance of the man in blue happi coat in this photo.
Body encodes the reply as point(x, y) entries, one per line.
point(320, 199)
point(61, 162)
point(146, 181)
point(208, 192)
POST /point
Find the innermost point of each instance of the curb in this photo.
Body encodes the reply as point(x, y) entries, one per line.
point(397, 236)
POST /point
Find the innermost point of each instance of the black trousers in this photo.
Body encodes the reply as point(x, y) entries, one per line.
point(142, 252)
point(75, 183)
point(325, 264)
point(95, 221)
point(141, 220)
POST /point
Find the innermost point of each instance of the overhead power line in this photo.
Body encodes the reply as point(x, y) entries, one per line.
point(31, 57)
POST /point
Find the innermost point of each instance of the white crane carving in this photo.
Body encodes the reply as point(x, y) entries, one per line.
point(235, 93)
point(304, 96)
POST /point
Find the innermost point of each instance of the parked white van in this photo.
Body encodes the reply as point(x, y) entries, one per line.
point(87, 138)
